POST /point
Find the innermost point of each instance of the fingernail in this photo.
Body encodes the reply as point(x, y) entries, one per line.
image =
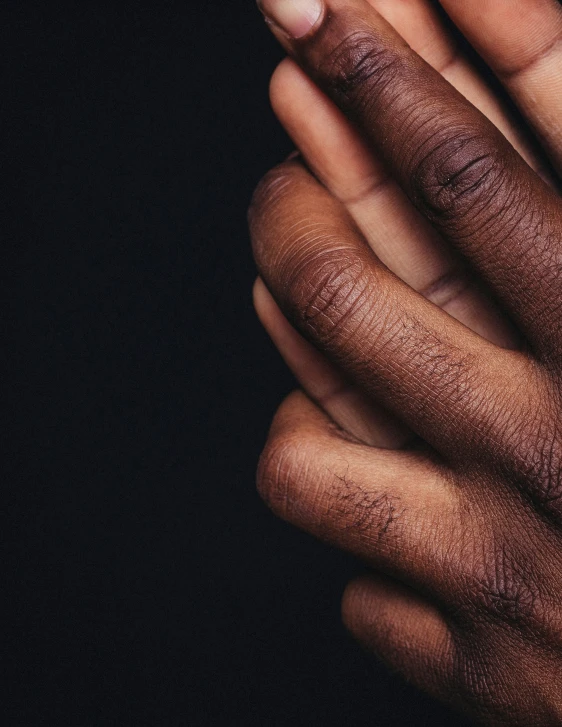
point(295, 17)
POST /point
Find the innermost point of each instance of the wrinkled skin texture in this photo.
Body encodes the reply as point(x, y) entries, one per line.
point(429, 439)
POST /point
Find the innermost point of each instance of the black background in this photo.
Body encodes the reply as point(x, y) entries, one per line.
point(146, 583)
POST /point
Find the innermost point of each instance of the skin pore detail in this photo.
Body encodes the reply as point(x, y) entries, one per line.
point(408, 262)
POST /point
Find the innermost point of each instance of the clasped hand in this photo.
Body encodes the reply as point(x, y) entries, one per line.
point(416, 247)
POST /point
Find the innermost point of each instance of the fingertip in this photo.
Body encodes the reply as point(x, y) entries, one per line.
point(352, 601)
point(289, 90)
point(281, 81)
point(259, 294)
point(265, 306)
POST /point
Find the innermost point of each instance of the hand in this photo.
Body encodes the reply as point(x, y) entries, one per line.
point(465, 523)
point(402, 239)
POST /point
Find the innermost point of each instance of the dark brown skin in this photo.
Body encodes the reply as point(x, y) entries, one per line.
point(462, 520)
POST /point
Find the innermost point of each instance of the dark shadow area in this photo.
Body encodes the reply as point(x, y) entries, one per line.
point(146, 583)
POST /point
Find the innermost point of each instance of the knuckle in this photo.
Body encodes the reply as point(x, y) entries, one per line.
point(479, 681)
point(359, 68)
point(541, 466)
point(533, 454)
point(328, 292)
point(282, 464)
point(371, 515)
point(270, 189)
point(502, 587)
point(509, 598)
point(457, 175)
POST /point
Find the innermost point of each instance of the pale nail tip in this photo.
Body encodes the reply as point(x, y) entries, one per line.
point(295, 17)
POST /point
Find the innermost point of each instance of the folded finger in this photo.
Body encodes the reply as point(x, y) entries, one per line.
point(393, 509)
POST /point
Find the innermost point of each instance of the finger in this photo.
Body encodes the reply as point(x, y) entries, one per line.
point(521, 41)
point(400, 236)
point(438, 377)
point(342, 401)
point(422, 27)
point(407, 632)
point(455, 166)
point(393, 509)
